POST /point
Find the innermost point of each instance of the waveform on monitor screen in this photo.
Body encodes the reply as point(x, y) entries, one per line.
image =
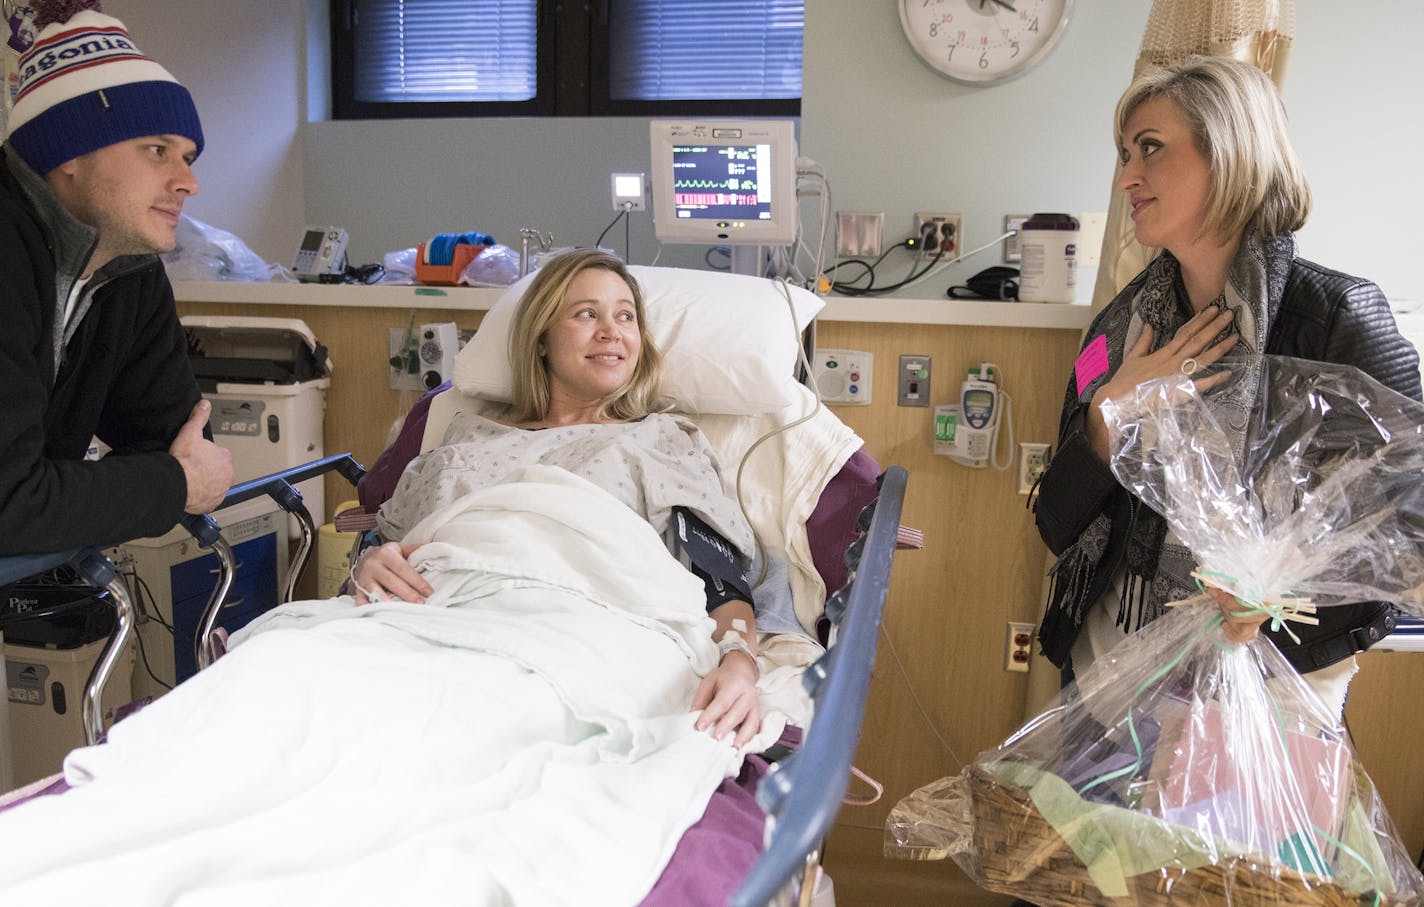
point(714, 198)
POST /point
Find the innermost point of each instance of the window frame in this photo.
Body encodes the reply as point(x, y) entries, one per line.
point(571, 71)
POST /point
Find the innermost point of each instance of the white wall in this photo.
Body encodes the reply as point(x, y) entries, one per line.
point(898, 137)
point(893, 136)
point(246, 67)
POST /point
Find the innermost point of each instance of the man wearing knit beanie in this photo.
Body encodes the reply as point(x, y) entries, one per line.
point(93, 177)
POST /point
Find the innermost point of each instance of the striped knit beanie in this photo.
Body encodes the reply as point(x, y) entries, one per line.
point(84, 86)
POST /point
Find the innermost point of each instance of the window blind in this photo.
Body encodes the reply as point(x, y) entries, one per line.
point(705, 49)
point(445, 50)
point(467, 57)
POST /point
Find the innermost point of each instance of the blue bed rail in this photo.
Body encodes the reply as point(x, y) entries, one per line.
point(803, 793)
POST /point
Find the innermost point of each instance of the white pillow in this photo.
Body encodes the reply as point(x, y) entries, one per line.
point(728, 342)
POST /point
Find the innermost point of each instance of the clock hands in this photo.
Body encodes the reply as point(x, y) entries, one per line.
point(1004, 3)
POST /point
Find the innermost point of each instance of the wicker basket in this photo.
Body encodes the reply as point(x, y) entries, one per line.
point(1022, 855)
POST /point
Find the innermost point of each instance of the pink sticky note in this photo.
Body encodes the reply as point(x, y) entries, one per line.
point(1092, 362)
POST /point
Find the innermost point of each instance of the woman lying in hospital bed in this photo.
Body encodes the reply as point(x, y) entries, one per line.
point(528, 699)
point(585, 405)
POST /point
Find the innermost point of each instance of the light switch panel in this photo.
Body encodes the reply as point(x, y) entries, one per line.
point(914, 383)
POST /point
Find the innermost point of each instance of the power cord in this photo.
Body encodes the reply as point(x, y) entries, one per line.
point(928, 273)
point(916, 244)
point(725, 251)
point(143, 595)
point(364, 274)
point(627, 241)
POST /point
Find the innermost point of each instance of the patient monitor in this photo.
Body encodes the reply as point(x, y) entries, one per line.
point(725, 182)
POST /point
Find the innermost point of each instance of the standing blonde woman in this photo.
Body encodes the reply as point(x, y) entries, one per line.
point(1213, 181)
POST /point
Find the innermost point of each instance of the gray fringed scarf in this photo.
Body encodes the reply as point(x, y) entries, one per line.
point(1159, 572)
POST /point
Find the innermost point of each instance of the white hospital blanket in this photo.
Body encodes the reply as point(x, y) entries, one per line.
point(523, 738)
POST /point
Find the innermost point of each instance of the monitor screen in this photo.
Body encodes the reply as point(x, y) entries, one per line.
point(724, 182)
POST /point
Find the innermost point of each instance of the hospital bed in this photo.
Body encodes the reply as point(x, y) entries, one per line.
point(801, 793)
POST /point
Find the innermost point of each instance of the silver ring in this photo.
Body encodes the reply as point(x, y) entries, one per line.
point(1189, 366)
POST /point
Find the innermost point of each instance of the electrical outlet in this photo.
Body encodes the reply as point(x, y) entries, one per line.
point(1018, 647)
point(1013, 222)
point(404, 363)
point(1033, 460)
point(949, 229)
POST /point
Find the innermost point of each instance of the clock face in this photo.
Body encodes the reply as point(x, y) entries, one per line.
point(983, 41)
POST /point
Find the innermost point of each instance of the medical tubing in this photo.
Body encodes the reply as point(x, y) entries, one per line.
point(370, 596)
point(741, 467)
point(915, 698)
point(1008, 419)
point(814, 172)
point(734, 641)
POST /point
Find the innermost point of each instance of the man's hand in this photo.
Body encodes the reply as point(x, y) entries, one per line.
point(206, 466)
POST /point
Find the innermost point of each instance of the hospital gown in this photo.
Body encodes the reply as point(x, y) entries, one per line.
point(652, 465)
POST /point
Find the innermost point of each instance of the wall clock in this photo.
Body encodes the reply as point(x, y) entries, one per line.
point(982, 42)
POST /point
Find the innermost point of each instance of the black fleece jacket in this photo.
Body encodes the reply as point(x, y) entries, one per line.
point(123, 376)
point(1325, 316)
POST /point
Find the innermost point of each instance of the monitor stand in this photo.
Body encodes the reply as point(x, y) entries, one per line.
point(749, 260)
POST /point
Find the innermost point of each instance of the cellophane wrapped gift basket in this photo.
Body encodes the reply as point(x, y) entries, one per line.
point(1184, 768)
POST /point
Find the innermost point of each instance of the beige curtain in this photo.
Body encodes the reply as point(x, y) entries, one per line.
point(1257, 31)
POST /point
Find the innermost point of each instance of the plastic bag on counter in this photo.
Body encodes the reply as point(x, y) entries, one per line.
point(496, 266)
point(1178, 769)
point(205, 252)
point(1182, 767)
point(400, 266)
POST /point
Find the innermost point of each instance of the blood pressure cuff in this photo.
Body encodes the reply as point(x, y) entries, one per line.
point(701, 549)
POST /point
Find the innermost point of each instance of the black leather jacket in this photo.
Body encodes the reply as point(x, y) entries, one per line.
point(1326, 316)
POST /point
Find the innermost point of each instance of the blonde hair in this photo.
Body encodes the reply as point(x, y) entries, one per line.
point(1239, 124)
point(541, 304)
